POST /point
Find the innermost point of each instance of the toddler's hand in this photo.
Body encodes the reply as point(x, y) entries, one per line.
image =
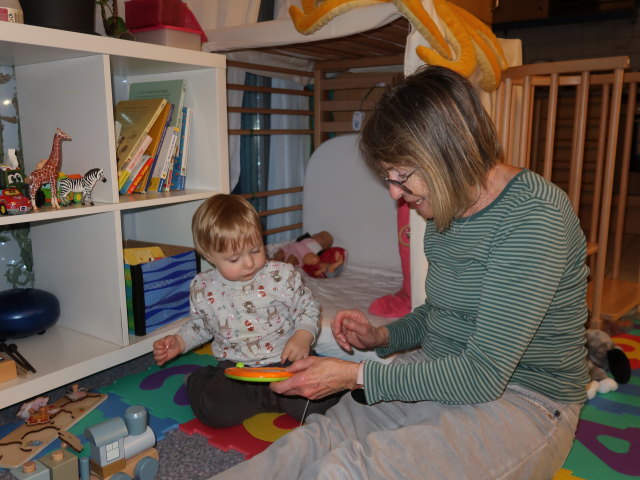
point(297, 347)
point(167, 348)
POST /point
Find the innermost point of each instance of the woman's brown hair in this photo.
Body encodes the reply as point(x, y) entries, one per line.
point(432, 121)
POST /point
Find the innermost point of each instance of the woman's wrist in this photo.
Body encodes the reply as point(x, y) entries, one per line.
point(356, 376)
point(383, 336)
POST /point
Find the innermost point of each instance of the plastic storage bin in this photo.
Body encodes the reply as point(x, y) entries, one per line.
point(158, 291)
point(170, 36)
point(150, 13)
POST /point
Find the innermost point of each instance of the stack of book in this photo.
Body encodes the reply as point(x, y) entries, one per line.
point(153, 139)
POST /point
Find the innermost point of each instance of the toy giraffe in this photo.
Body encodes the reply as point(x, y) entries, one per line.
point(47, 171)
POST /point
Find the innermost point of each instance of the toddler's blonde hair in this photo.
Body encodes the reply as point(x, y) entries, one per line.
point(225, 223)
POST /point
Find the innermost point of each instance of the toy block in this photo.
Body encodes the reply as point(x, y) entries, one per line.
point(33, 470)
point(62, 464)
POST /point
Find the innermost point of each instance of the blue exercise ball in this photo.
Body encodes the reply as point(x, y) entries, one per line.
point(27, 311)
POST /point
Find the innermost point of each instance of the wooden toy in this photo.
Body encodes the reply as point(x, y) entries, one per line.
point(47, 171)
point(8, 368)
point(33, 470)
point(62, 465)
point(25, 442)
point(83, 185)
point(68, 438)
point(43, 414)
point(123, 447)
point(76, 393)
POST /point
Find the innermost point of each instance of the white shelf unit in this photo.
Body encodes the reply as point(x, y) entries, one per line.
point(72, 81)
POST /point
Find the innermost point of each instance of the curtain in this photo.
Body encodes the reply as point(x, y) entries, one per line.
point(254, 149)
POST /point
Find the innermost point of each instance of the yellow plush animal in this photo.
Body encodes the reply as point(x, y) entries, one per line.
point(469, 43)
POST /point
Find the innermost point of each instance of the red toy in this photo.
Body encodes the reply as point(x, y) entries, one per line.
point(12, 202)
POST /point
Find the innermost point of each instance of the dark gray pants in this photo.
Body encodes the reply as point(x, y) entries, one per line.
point(219, 402)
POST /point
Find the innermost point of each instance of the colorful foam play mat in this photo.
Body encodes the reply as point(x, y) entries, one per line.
point(607, 445)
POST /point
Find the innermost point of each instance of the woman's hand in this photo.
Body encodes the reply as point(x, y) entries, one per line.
point(297, 347)
point(351, 328)
point(317, 377)
point(167, 348)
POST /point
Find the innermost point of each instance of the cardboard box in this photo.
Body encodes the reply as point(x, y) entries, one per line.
point(7, 368)
point(170, 36)
point(158, 291)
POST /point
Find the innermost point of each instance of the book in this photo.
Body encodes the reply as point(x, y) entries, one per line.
point(135, 161)
point(171, 90)
point(137, 117)
point(158, 128)
point(180, 166)
point(165, 183)
point(135, 175)
point(141, 174)
point(164, 159)
point(143, 185)
point(117, 128)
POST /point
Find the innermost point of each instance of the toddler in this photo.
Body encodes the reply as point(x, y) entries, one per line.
point(253, 311)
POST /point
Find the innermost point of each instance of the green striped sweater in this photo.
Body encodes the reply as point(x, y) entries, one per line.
point(506, 303)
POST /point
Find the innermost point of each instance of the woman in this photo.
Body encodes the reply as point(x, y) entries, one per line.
point(495, 375)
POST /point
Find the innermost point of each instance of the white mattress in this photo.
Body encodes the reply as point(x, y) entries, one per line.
point(283, 32)
point(355, 289)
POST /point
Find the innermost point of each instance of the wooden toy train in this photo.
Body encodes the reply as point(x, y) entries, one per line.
point(121, 449)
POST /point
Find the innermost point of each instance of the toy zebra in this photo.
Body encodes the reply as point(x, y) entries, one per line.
point(82, 185)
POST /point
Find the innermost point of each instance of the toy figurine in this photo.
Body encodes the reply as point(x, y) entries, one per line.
point(82, 185)
point(47, 171)
point(314, 254)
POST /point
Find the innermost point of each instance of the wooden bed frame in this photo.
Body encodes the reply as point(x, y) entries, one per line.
point(350, 92)
point(594, 174)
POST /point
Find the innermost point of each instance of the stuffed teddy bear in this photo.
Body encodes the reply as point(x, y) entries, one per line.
point(604, 356)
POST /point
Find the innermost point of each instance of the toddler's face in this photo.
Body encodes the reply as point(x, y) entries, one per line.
point(243, 265)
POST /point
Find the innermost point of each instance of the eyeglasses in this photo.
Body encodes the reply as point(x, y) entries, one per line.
point(400, 183)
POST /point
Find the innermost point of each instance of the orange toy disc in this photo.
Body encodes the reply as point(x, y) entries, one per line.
point(257, 374)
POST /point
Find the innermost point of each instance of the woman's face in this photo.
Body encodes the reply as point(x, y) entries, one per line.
point(404, 182)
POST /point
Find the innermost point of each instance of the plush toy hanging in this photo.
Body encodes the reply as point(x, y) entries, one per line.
point(466, 46)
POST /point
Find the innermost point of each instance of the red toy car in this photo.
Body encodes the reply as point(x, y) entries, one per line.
point(13, 202)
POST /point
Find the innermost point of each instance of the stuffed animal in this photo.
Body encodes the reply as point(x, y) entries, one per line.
point(314, 254)
point(604, 356)
point(466, 46)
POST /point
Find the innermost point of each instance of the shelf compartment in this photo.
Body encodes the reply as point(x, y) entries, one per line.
point(75, 356)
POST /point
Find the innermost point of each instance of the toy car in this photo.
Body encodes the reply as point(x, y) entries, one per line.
point(13, 202)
